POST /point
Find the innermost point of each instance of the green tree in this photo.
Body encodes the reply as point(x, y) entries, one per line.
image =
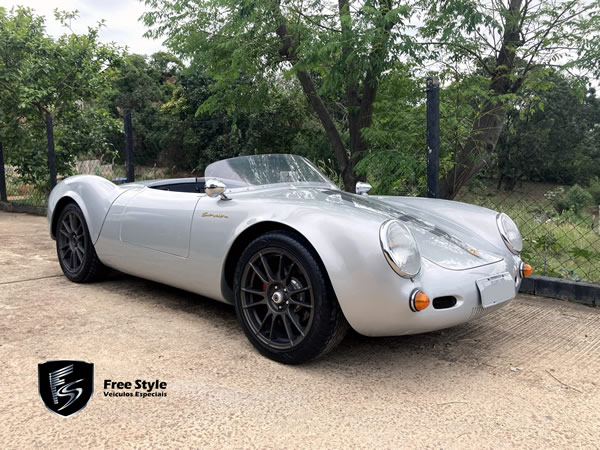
point(337, 53)
point(513, 43)
point(41, 77)
point(552, 143)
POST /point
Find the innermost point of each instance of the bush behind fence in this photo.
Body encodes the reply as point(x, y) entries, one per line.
point(559, 225)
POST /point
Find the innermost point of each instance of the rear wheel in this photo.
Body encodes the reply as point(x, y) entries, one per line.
point(284, 301)
point(76, 253)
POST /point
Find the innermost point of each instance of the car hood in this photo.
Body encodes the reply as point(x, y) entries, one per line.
point(444, 242)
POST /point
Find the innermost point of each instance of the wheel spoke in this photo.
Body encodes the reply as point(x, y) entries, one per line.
point(294, 320)
point(79, 254)
point(267, 268)
point(64, 232)
point(262, 323)
point(289, 272)
point(79, 230)
point(258, 272)
point(254, 291)
point(252, 305)
point(297, 291)
point(302, 304)
point(72, 260)
point(65, 252)
point(288, 331)
point(273, 317)
point(72, 222)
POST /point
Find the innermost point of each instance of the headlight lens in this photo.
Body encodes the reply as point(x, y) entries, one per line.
point(510, 233)
point(400, 248)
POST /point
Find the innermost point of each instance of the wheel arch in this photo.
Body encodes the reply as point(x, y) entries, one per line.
point(242, 241)
point(60, 206)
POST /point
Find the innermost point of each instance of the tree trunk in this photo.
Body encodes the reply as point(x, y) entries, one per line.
point(509, 183)
point(360, 101)
point(488, 126)
point(476, 152)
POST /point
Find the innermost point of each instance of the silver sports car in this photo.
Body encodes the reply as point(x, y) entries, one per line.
point(300, 259)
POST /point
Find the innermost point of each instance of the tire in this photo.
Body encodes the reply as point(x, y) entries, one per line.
point(74, 248)
point(284, 300)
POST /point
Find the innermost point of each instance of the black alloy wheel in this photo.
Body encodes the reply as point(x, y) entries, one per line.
point(71, 242)
point(277, 298)
point(284, 300)
point(76, 253)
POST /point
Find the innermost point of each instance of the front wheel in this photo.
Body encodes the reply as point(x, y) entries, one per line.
point(76, 254)
point(284, 300)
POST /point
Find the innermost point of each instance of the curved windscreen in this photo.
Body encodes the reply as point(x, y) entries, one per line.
point(258, 170)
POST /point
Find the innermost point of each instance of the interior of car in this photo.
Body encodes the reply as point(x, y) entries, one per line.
point(192, 185)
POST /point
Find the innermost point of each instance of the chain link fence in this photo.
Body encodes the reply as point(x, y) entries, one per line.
point(559, 224)
point(19, 192)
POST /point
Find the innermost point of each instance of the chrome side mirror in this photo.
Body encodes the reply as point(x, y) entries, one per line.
point(214, 188)
point(362, 188)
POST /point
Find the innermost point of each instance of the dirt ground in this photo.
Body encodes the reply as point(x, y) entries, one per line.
point(526, 376)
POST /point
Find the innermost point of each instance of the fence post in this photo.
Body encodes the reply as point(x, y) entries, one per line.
point(51, 152)
point(433, 137)
point(3, 196)
point(129, 167)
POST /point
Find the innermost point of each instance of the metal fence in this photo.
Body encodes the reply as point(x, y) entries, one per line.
point(560, 240)
point(560, 223)
point(19, 192)
point(16, 190)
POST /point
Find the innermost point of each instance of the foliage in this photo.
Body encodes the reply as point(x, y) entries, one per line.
point(513, 44)
point(338, 55)
point(594, 190)
point(41, 77)
point(575, 199)
point(564, 116)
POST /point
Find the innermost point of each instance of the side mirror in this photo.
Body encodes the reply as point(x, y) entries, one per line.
point(362, 188)
point(214, 188)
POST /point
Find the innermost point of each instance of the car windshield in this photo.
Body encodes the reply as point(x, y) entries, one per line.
point(259, 170)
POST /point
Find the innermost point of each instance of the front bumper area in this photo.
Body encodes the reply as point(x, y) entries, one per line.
point(386, 312)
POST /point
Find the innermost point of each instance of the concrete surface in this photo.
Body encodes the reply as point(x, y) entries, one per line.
point(526, 376)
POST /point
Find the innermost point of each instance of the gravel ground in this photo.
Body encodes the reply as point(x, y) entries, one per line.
point(525, 376)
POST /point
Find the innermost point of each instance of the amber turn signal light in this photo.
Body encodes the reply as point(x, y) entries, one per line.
point(526, 270)
point(419, 300)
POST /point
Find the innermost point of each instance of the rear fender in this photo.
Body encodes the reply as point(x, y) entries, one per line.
point(94, 195)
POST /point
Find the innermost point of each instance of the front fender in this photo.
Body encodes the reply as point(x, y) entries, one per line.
point(347, 241)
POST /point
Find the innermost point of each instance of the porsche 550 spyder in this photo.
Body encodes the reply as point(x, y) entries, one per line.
point(301, 260)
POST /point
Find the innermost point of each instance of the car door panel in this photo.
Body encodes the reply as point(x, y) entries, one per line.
point(160, 220)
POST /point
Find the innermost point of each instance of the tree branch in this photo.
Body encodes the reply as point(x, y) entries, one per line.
point(288, 52)
point(465, 49)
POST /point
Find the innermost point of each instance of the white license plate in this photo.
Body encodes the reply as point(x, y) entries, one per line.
point(496, 289)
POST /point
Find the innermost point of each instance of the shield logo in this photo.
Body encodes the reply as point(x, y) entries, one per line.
point(66, 386)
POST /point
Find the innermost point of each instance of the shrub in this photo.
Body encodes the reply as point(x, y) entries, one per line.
point(575, 199)
point(594, 190)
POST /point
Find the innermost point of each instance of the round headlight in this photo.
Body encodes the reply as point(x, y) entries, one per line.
point(510, 233)
point(400, 248)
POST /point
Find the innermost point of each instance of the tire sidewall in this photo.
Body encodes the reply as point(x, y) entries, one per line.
point(324, 301)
